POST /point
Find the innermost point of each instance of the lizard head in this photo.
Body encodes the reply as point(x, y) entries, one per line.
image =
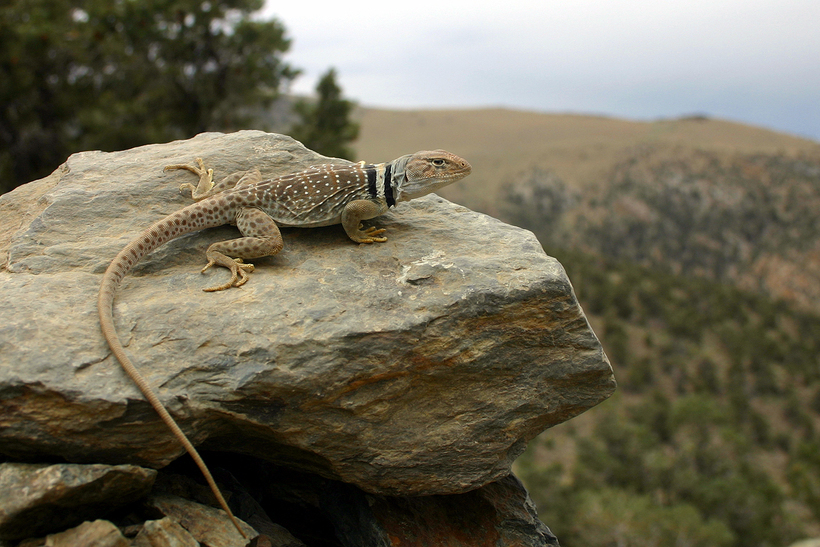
point(419, 174)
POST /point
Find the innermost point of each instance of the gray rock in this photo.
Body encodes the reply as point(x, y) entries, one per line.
point(321, 511)
point(99, 533)
point(165, 532)
point(500, 514)
point(41, 498)
point(418, 366)
point(206, 525)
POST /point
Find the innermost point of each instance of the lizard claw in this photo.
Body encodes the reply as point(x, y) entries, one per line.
point(368, 236)
point(239, 273)
point(187, 186)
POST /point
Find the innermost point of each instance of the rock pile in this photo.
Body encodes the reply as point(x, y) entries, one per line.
point(351, 394)
point(131, 506)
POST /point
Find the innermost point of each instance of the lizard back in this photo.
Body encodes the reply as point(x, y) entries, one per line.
point(318, 195)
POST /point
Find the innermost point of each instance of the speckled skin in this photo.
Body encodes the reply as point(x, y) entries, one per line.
point(323, 195)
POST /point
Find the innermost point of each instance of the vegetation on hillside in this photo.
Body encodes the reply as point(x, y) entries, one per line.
point(714, 435)
point(749, 220)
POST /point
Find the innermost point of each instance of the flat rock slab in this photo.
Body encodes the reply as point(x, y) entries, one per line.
point(422, 365)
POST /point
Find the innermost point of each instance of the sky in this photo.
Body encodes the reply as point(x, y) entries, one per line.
point(750, 61)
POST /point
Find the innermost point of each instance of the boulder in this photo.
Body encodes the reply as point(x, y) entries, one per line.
point(164, 532)
point(499, 514)
point(99, 533)
point(418, 366)
point(41, 498)
point(178, 512)
point(205, 524)
point(322, 511)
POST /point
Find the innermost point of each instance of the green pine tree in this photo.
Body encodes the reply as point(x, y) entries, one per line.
point(325, 124)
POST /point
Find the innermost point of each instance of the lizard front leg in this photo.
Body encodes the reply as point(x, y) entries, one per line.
point(206, 188)
point(261, 238)
point(353, 215)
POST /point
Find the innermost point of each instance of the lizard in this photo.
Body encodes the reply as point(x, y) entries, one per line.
point(322, 195)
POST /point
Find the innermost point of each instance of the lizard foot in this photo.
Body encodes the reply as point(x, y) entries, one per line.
point(239, 271)
point(199, 170)
point(206, 179)
point(368, 236)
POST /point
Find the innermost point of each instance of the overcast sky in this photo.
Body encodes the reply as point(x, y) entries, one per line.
point(754, 61)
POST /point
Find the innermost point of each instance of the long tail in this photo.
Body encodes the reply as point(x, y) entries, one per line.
point(173, 226)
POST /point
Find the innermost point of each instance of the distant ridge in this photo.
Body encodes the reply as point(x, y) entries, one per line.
point(581, 149)
point(696, 196)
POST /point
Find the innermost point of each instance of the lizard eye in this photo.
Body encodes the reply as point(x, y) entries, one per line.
point(438, 162)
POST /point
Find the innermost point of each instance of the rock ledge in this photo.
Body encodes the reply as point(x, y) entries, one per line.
point(415, 367)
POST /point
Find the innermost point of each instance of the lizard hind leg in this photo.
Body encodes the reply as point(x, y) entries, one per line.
point(261, 238)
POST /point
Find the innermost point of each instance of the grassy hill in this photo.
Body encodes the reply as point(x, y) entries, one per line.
point(695, 196)
point(502, 144)
point(694, 247)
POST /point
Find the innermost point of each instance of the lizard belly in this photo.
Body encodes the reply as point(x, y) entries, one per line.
point(290, 222)
point(289, 214)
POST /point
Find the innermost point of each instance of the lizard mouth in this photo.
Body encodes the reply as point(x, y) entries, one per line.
point(464, 170)
point(412, 190)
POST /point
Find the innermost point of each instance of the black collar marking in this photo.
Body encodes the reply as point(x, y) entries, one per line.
point(388, 185)
point(370, 171)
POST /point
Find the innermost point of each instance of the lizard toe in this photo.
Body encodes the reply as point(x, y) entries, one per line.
point(369, 236)
point(239, 272)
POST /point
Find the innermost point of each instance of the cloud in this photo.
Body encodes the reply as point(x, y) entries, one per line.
point(755, 60)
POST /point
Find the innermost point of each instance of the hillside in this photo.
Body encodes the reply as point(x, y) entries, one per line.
point(694, 247)
point(581, 150)
point(695, 196)
point(713, 437)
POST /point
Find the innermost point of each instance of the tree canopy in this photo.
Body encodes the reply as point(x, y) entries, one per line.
point(103, 74)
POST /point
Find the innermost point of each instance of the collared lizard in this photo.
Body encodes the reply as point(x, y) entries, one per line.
point(323, 195)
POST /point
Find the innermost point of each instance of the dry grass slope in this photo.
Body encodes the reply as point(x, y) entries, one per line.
point(697, 196)
point(501, 144)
